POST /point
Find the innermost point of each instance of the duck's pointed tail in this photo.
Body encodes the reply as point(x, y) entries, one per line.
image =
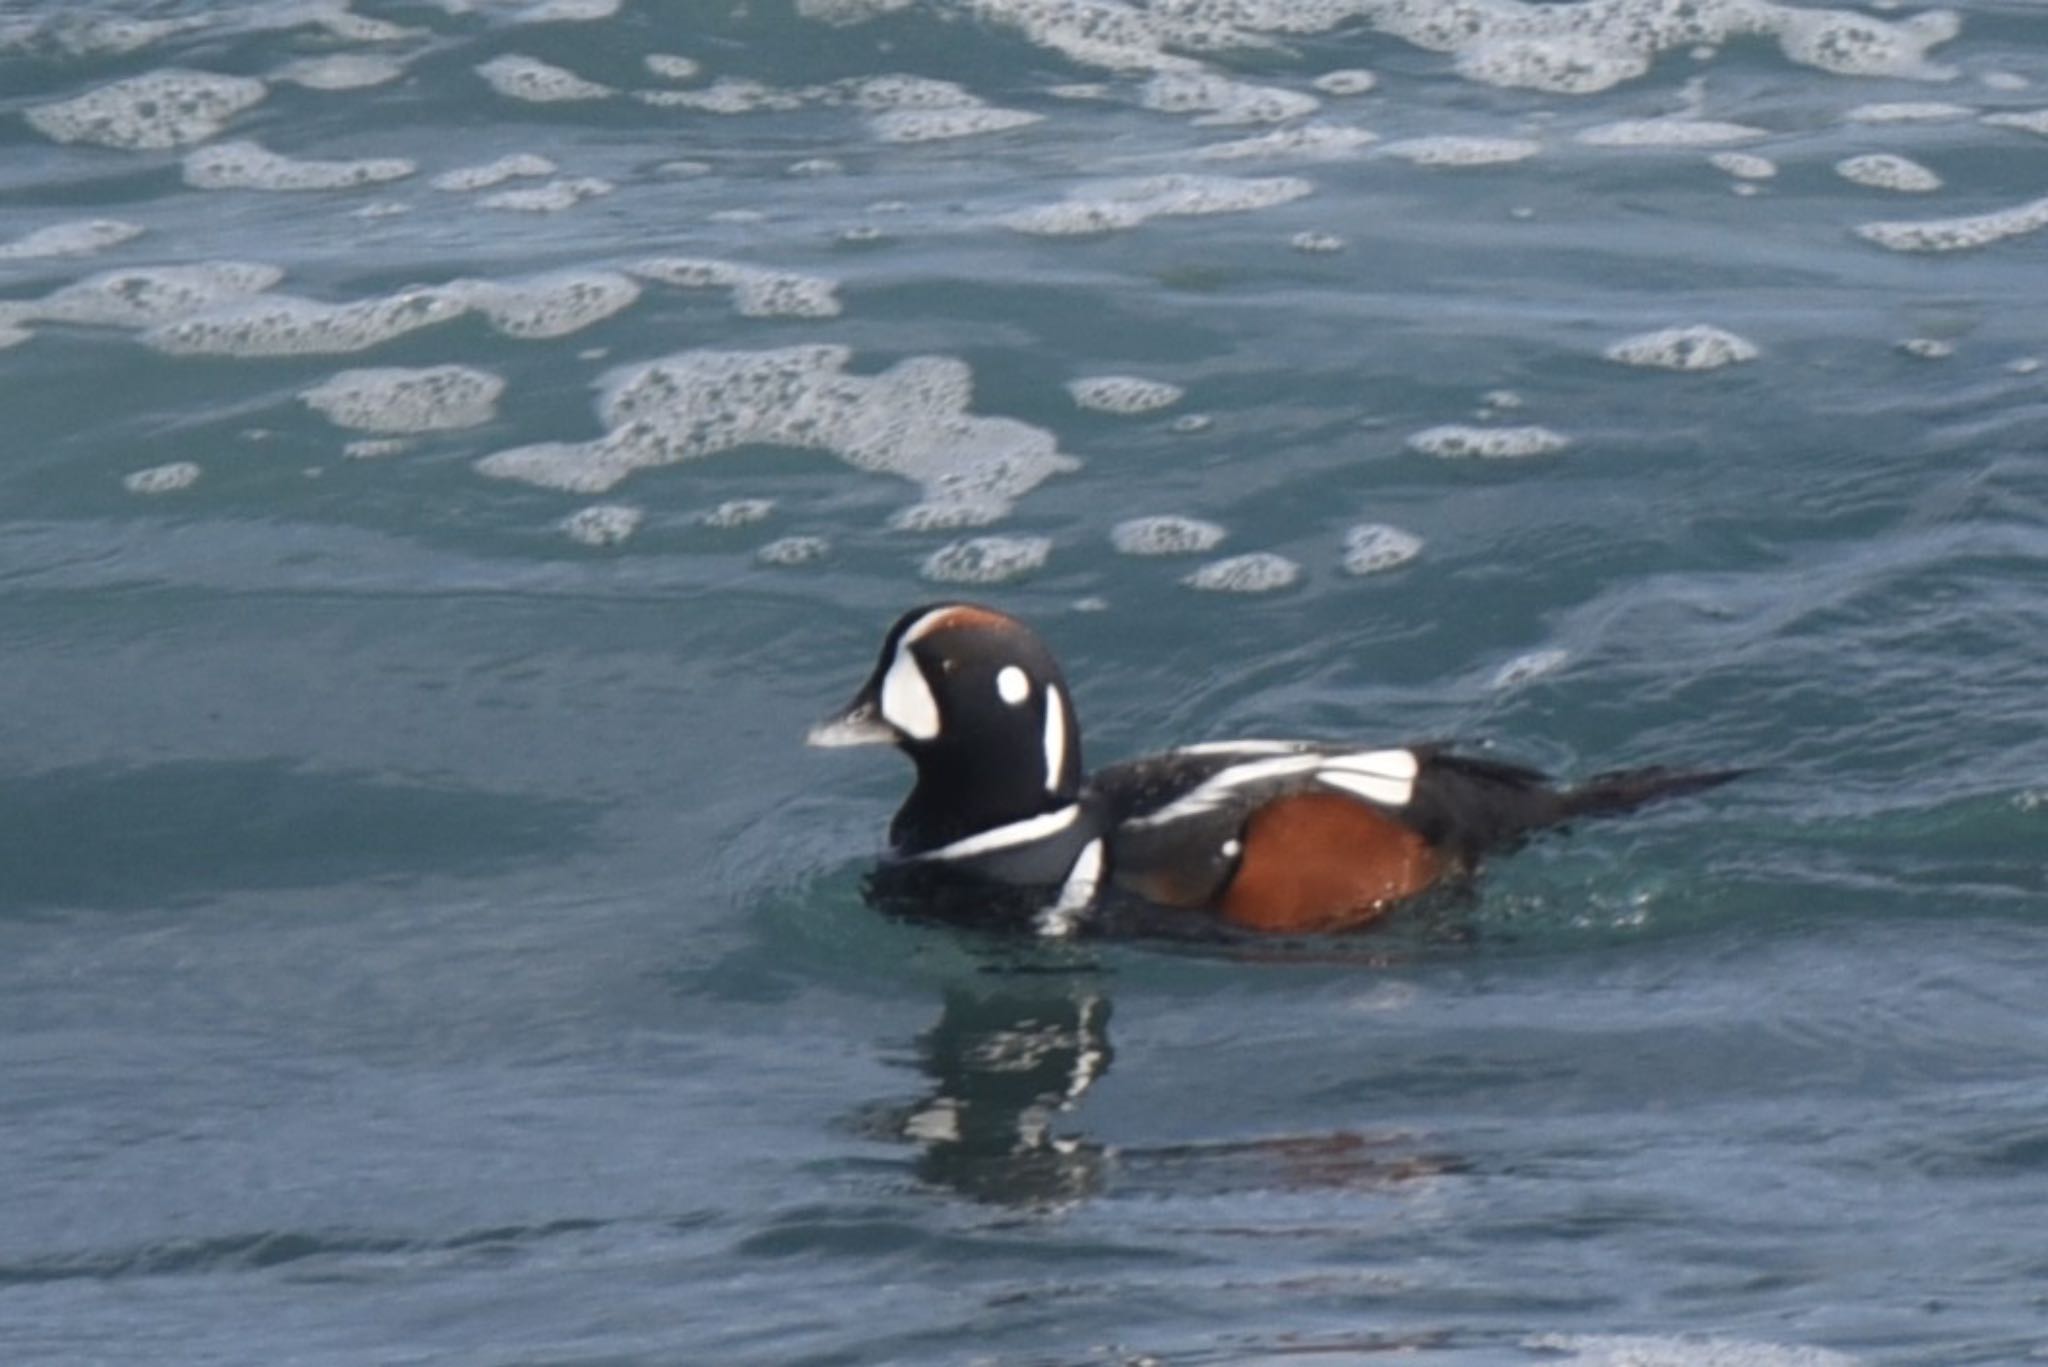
point(1624, 790)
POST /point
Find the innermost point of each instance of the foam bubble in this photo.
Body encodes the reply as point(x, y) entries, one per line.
point(1648, 1350)
point(464, 179)
point(1374, 547)
point(82, 237)
point(162, 479)
point(756, 293)
point(1462, 151)
point(1351, 81)
point(793, 550)
point(569, 11)
point(537, 82)
point(739, 512)
point(603, 524)
point(283, 325)
point(1316, 244)
point(1527, 668)
point(947, 515)
point(1958, 234)
point(154, 294)
point(1221, 100)
point(1189, 423)
point(1309, 141)
point(1743, 165)
point(247, 165)
point(935, 125)
point(1256, 572)
point(1127, 203)
point(1456, 441)
point(1565, 64)
point(670, 67)
point(1669, 132)
point(392, 399)
point(909, 421)
point(551, 198)
point(1165, 535)
point(342, 71)
point(2033, 121)
point(1928, 348)
point(1698, 347)
point(727, 95)
point(986, 559)
point(375, 448)
point(816, 166)
point(552, 305)
point(1125, 394)
point(1908, 111)
point(167, 108)
point(1884, 171)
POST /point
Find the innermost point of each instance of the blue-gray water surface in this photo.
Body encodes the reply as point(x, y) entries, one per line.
point(453, 448)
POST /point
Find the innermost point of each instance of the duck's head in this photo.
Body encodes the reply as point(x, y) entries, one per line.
point(980, 706)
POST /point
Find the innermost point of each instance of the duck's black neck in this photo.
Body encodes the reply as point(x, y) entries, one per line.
point(962, 792)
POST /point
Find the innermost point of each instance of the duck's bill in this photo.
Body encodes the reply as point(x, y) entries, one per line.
point(860, 724)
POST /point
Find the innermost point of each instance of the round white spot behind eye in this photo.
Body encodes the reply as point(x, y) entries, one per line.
point(1013, 685)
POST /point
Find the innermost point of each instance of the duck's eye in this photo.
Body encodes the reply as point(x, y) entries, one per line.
point(1013, 686)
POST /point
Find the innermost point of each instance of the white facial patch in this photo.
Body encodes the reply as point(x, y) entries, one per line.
point(907, 701)
point(1055, 738)
point(1013, 685)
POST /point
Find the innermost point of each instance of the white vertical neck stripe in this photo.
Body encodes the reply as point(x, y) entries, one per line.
point(1055, 736)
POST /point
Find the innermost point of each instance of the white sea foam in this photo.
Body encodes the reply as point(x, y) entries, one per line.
point(1929, 348)
point(162, 479)
point(2032, 121)
point(986, 559)
point(739, 512)
point(159, 109)
point(1647, 1350)
point(1124, 394)
point(551, 198)
point(341, 71)
point(948, 515)
point(551, 305)
point(1908, 111)
point(393, 399)
point(1698, 347)
point(910, 421)
point(1305, 142)
point(936, 125)
point(1316, 244)
point(1221, 100)
point(603, 524)
point(82, 237)
point(727, 95)
point(1670, 132)
point(1456, 441)
point(464, 179)
point(1165, 534)
point(1462, 151)
point(1886, 171)
point(1743, 165)
point(1527, 668)
point(671, 67)
point(1374, 547)
point(149, 295)
point(1108, 206)
point(756, 293)
point(247, 165)
point(537, 82)
point(285, 325)
point(1958, 234)
point(1350, 81)
point(1256, 572)
point(793, 550)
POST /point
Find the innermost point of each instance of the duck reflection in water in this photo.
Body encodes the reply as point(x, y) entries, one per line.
point(1009, 1062)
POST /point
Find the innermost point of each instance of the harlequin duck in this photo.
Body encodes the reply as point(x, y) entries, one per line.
point(1291, 837)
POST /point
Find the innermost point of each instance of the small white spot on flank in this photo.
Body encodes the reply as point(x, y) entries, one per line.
point(1013, 685)
point(1232, 849)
